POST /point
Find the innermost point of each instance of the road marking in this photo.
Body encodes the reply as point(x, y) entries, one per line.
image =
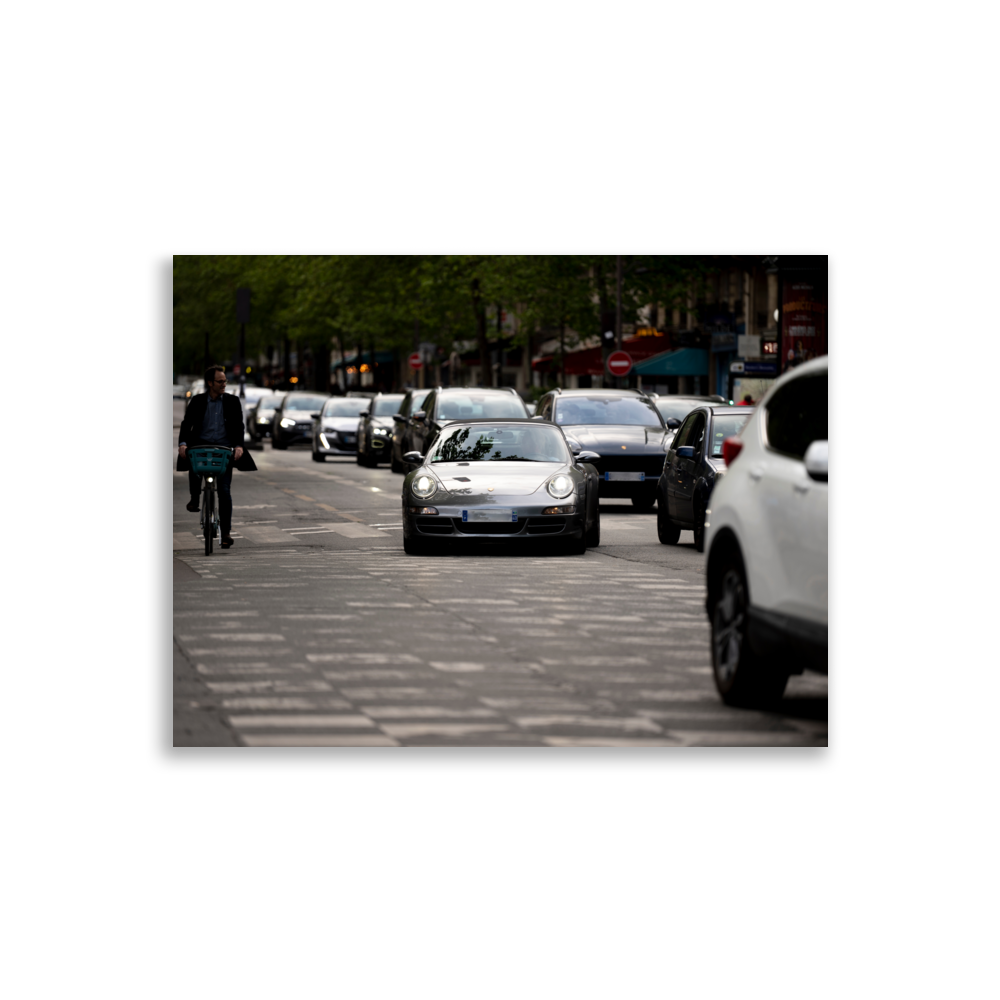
point(467, 600)
point(300, 721)
point(361, 658)
point(317, 740)
point(187, 540)
point(605, 741)
point(458, 668)
point(630, 724)
point(426, 712)
point(406, 730)
point(219, 614)
point(250, 687)
point(323, 616)
point(367, 604)
point(246, 636)
point(248, 704)
point(374, 694)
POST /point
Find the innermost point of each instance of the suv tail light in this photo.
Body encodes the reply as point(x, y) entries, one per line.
point(731, 447)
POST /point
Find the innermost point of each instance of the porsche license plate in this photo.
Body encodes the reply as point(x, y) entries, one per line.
point(624, 477)
point(490, 514)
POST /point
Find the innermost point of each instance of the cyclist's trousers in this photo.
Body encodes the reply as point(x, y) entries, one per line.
point(225, 497)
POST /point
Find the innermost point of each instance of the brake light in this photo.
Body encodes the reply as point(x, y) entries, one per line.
point(731, 447)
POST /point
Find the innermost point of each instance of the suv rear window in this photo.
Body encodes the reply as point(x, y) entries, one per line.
point(797, 415)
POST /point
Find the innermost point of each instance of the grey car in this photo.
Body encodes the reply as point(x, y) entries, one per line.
point(375, 429)
point(513, 481)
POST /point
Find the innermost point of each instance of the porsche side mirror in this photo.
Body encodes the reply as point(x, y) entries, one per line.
point(587, 456)
point(413, 457)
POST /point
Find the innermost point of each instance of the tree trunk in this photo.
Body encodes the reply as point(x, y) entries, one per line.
point(484, 350)
point(562, 354)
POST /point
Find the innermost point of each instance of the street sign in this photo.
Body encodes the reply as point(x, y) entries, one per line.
point(761, 368)
point(619, 363)
point(414, 361)
point(736, 367)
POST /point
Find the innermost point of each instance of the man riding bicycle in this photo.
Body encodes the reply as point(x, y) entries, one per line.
point(215, 417)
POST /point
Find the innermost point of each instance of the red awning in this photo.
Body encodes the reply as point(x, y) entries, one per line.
point(589, 361)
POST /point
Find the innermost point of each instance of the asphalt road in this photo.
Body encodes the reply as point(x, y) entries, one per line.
point(315, 629)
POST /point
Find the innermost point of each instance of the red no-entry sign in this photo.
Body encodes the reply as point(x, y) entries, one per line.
point(619, 363)
point(414, 361)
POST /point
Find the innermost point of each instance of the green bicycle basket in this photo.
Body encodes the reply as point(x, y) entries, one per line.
point(209, 461)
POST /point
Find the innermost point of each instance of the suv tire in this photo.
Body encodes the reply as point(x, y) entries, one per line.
point(742, 678)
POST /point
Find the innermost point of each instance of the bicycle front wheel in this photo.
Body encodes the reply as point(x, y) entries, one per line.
point(209, 506)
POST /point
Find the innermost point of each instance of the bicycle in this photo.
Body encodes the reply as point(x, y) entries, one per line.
point(211, 462)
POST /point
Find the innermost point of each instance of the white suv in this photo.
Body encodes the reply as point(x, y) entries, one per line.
point(766, 538)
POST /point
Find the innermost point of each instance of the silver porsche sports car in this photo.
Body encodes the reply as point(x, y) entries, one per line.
point(501, 481)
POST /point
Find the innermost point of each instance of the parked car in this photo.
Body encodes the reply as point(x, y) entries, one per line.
point(444, 405)
point(500, 480)
point(375, 429)
point(336, 430)
point(624, 429)
point(693, 465)
point(251, 396)
point(766, 533)
point(262, 415)
point(293, 420)
point(412, 402)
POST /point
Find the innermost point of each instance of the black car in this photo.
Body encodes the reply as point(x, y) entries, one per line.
point(625, 430)
point(262, 415)
point(500, 481)
point(375, 429)
point(412, 402)
point(674, 409)
point(293, 420)
point(444, 405)
point(335, 432)
point(694, 464)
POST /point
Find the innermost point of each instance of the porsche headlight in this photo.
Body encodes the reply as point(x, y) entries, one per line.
point(560, 487)
point(423, 487)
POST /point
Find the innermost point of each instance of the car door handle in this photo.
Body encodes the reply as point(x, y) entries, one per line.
point(756, 473)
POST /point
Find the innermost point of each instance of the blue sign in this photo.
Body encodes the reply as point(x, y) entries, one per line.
point(760, 367)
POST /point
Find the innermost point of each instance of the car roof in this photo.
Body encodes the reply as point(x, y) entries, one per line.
point(601, 392)
point(476, 388)
point(499, 420)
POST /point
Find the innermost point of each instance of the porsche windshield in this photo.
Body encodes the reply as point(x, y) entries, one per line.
point(346, 407)
point(606, 410)
point(296, 402)
point(384, 405)
point(502, 443)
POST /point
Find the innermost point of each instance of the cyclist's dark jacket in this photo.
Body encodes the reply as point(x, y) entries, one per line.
point(232, 414)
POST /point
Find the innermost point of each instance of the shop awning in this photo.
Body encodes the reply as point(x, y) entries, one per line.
point(683, 361)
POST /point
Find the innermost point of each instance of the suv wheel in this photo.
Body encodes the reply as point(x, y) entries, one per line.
point(741, 677)
point(668, 532)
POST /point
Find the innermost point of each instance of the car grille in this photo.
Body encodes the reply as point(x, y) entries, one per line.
point(545, 525)
point(433, 525)
point(487, 527)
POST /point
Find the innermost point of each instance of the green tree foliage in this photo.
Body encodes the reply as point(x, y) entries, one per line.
point(386, 303)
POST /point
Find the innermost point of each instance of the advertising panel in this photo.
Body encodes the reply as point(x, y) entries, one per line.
point(803, 320)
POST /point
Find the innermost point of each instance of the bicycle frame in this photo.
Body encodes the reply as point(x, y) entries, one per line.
point(210, 511)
